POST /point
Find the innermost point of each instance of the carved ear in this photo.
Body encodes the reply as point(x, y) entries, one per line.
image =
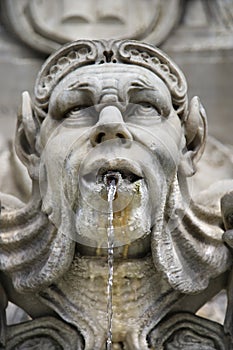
point(26, 131)
point(195, 133)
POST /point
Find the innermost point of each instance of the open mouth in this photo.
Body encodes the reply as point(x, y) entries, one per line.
point(108, 176)
point(133, 207)
point(130, 207)
point(120, 171)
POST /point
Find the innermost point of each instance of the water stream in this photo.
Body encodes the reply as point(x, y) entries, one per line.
point(111, 188)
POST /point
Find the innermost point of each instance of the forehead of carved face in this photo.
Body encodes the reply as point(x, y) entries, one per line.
point(109, 83)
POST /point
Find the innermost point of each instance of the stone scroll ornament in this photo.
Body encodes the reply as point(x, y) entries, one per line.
point(100, 108)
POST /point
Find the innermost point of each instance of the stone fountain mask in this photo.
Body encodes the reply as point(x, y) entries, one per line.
point(116, 109)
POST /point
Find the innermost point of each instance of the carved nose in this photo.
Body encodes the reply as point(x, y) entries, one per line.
point(110, 126)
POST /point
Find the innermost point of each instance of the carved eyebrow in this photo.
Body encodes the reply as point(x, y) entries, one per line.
point(141, 84)
point(77, 86)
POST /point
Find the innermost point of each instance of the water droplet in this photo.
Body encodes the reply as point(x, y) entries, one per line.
point(111, 184)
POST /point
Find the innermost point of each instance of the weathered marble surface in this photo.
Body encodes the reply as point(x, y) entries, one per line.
point(199, 39)
point(104, 107)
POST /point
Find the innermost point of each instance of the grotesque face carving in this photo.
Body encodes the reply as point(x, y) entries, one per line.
point(107, 110)
point(111, 114)
point(109, 118)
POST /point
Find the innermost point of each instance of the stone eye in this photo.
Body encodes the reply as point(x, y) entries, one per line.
point(143, 109)
point(147, 107)
point(79, 111)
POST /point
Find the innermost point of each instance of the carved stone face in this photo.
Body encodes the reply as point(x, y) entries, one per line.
point(94, 19)
point(105, 119)
point(112, 110)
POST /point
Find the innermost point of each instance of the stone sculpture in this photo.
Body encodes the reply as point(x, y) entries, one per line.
point(106, 108)
point(74, 19)
point(180, 26)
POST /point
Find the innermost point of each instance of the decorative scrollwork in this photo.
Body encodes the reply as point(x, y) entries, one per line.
point(187, 332)
point(45, 333)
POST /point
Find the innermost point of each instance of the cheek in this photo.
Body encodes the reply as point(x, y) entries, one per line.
point(48, 127)
point(60, 132)
point(65, 146)
point(52, 162)
point(163, 143)
point(175, 130)
point(163, 135)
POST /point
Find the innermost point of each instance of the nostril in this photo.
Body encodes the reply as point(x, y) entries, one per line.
point(99, 137)
point(120, 135)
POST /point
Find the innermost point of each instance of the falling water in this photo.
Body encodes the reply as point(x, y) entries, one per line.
point(111, 188)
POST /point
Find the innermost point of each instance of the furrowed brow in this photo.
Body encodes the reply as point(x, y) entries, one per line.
point(78, 86)
point(141, 85)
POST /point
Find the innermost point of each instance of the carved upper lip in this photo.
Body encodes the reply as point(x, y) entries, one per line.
point(129, 173)
point(128, 170)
